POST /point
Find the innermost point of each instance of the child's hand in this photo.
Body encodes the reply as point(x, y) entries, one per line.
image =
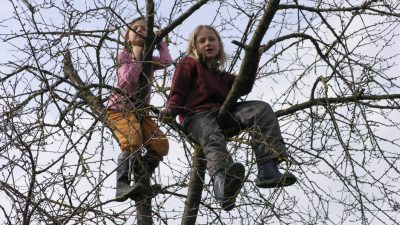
point(157, 32)
point(137, 48)
point(136, 43)
point(165, 115)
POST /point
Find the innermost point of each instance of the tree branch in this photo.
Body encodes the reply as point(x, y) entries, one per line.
point(84, 93)
point(181, 18)
point(336, 101)
point(250, 61)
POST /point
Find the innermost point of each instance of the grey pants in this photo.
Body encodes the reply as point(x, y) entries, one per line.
point(255, 117)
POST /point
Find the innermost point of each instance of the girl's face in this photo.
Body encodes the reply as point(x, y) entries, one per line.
point(137, 33)
point(207, 44)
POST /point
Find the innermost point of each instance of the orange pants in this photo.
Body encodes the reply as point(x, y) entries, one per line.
point(133, 134)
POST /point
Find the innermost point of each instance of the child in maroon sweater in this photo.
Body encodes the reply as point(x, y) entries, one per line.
point(199, 87)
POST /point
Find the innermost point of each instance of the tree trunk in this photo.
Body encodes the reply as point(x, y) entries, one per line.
point(143, 210)
point(195, 188)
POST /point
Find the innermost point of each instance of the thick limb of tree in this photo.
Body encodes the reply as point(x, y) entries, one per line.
point(84, 92)
point(250, 61)
point(195, 188)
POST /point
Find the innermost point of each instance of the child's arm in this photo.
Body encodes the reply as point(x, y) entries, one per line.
point(165, 57)
point(181, 85)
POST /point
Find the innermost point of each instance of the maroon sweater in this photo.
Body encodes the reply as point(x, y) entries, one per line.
point(196, 88)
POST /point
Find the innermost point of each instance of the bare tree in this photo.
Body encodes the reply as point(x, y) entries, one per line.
point(329, 69)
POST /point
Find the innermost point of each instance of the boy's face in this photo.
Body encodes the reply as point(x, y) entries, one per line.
point(207, 44)
point(137, 33)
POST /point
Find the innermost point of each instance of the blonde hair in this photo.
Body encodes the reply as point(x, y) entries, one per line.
point(221, 57)
point(127, 44)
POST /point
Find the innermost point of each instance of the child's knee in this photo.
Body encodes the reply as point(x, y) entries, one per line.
point(129, 147)
point(215, 139)
point(160, 146)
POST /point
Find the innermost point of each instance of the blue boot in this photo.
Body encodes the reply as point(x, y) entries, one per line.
point(269, 176)
point(227, 185)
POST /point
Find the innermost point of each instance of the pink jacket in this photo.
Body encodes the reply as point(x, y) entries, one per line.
point(128, 78)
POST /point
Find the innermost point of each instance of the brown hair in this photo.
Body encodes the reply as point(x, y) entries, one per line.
point(221, 57)
point(127, 45)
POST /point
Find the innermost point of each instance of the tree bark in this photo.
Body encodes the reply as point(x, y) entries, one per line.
point(143, 210)
point(83, 90)
point(195, 188)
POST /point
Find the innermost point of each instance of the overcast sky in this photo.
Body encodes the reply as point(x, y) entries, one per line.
point(174, 164)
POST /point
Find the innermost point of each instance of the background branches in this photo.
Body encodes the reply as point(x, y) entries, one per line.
point(329, 69)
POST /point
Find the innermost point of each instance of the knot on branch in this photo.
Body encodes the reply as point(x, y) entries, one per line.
point(240, 44)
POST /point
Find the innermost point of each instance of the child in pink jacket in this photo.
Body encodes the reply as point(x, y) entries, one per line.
point(133, 128)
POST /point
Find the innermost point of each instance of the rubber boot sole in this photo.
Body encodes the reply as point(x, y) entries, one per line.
point(233, 182)
point(285, 180)
point(131, 193)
